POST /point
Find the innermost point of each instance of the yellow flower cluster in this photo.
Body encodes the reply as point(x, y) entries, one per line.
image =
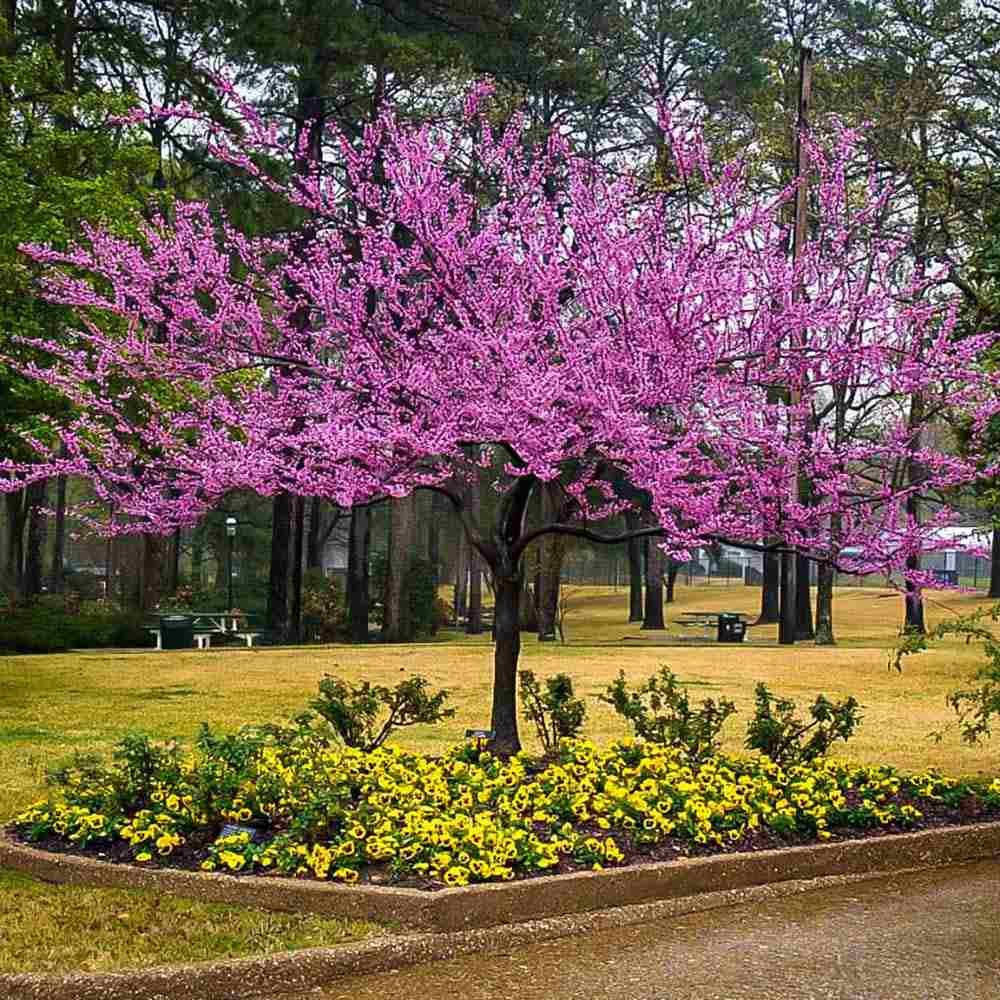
point(76, 823)
point(147, 829)
point(333, 813)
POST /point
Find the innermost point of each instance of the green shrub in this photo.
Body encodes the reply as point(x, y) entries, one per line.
point(53, 623)
point(778, 734)
point(354, 710)
point(554, 711)
point(660, 711)
point(323, 608)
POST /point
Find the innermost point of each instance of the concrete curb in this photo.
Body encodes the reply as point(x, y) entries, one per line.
point(469, 919)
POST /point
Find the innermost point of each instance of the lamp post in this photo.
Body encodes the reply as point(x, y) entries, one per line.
point(230, 535)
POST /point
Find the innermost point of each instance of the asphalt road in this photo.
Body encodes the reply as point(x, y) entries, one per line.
point(932, 935)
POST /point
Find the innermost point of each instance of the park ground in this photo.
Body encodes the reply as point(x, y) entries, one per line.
point(51, 706)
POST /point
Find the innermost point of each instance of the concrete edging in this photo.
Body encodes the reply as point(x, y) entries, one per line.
point(471, 918)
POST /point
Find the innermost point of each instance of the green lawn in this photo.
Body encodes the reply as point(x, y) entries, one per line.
point(46, 928)
point(52, 705)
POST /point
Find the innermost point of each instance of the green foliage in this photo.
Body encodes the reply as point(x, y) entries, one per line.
point(777, 733)
point(324, 609)
point(426, 613)
point(660, 711)
point(977, 707)
point(354, 710)
point(137, 766)
point(44, 628)
point(554, 711)
point(420, 587)
point(61, 163)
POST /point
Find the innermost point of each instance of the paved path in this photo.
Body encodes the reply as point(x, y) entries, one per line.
point(927, 936)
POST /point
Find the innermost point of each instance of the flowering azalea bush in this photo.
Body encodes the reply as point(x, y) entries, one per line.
point(307, 808)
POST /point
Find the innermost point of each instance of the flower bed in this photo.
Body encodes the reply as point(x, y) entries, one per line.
point(392, 816)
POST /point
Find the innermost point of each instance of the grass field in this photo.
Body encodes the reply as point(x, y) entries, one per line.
point(46, 928)
point(53, 705)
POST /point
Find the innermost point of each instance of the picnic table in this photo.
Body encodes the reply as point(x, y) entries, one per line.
point(205, 624)
point(721, 622)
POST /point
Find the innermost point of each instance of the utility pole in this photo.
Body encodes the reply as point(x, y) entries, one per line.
point(788, 587)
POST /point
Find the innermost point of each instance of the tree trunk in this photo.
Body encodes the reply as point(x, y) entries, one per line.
point(803, 600)
point(151, 572)
point(673, 568)
point(57, 577)
point(434, 537)
point(825, 576)
point(550, 552)
point(461, 576)
point(474, 619)
point(314, 545)
point(14, 570)
point(111, 572)
point(529, 610)
point(474, 622)
point(507, 629)
point(788, 591)
point(995, 563)
point(298, 547)
point(635, 547)
point(173, 580)
point(653, 617)
point(914, 605)
point(198, 557)
point(396, 624)
point(277, 585)
point(36, 497)
point(770, 590)
point(357, 574)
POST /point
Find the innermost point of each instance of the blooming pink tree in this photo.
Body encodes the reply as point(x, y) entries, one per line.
point(618, 341)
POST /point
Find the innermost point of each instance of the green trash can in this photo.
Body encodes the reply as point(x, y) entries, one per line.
point(176, 632)
point(731, 628)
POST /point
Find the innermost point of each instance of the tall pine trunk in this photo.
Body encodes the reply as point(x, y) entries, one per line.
point(357, 574)
point(825, 577)
point(995, 562)
point(57, 576)
point(277, 584)
point(673, 568)
point(462, 548)
point(151, 572)
point(176, 543)
point(298, 551)
point(770, 590)
point(36, 497)
point(914, 606)
point(803, 599)
point(14, 569)
point(635, 550)
point(396, 624)
point(474, 622)
point(547, 581)
point(653, 612)
point(314, 546)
